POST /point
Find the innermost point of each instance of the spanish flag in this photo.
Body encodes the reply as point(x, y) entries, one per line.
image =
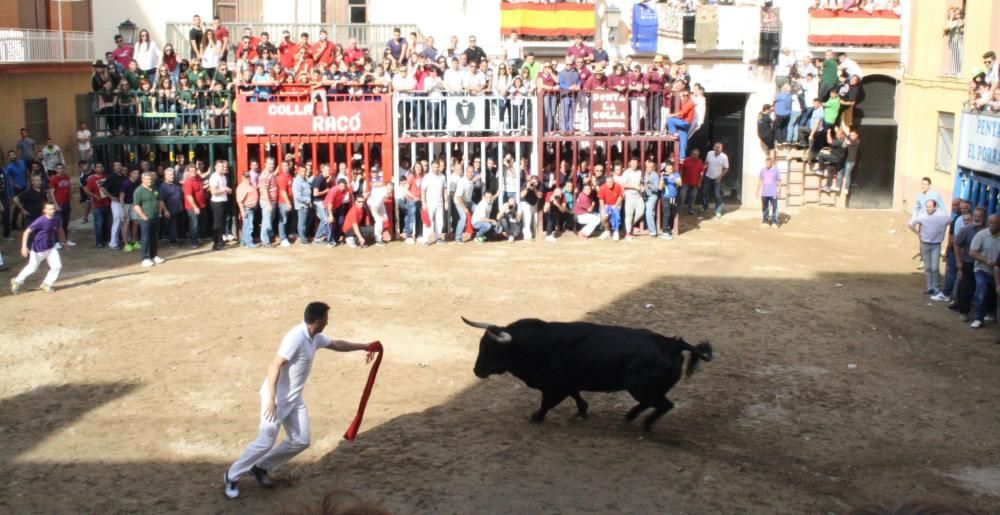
point(547, 20)
point(854, 28)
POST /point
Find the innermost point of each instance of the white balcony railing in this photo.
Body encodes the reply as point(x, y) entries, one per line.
point(369, 35)
point(45, 46)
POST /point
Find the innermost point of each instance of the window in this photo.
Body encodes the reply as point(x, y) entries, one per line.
point(358, 11)
point(36, 118)
point(945, 142)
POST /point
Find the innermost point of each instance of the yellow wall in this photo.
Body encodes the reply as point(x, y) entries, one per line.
point(925, 92)
point(59, 88)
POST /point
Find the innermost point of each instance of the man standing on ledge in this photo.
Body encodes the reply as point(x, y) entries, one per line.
point(281, 402)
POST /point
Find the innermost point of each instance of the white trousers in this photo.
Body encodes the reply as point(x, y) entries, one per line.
point(634, 211)
point(637, 111)
point(116, 223)
point(590, 221)
point(380, 215)
point(528, 218)
point(51, 257)
point(436, 214)
point(262, 451)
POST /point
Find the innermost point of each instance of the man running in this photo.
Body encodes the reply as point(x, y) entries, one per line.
point(281, 402)
point(46, 230)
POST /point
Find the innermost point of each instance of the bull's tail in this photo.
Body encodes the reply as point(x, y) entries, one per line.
point(702, 351)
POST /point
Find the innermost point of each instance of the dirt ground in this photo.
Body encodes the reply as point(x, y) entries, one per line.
point(835, 382)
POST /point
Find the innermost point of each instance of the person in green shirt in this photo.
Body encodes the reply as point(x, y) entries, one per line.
point(134, 75)
point(223, 75)
point(147, 204)
point(831, 108)
point(197, 72)
point(146, 101)
point(186, 104)
point(532, 65)
point(828, 75)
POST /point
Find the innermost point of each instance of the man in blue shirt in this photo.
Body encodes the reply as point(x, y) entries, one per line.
point(782, 112)
point(395, 45)
point(925, 195)
point(569, 86)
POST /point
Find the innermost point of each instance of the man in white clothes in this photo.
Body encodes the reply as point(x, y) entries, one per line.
point(513, 50)
point(281, 402)
point(376, 205)
point(462, 197)
point(432, 191)
point(634, 206)
point(52, 155)
point(717, 166)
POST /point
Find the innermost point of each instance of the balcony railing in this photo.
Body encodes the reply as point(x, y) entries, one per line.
point(198, 113)
point(369, 35)
point(45, 46)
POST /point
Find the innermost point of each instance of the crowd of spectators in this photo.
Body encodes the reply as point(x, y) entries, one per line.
point(984, 89)
point(859, 5)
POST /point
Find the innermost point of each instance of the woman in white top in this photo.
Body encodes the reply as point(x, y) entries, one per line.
point(210, 54)
point(147, 54)
point(516, 94)
point(433, 87)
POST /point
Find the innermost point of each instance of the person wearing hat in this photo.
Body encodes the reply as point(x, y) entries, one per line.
point(598, 81)
point(100, 76)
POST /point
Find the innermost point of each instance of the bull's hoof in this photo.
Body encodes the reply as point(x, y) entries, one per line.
point(582, 414)
point(537, 417)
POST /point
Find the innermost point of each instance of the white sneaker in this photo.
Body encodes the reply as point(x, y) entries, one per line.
point(351, 243)
point(147, 263)
point(285, 243)
point(158, 260)
point(232, 491)
point(988, 318)
point(615, 237)
point(629, 238)
point(550, 238)
point(976, 324)
point(70, 243)
point(59, 246)
point(510, 239)
point(940, 297)
point(409, 241)
point(604, 236)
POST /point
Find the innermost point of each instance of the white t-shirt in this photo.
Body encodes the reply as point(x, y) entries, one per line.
point(404, 84)
point(511, 180)
point(474, 80)
point(52, 157)
point(715, 164)
point(377, 196)
point(482, 211)
point(463, 188)
point(83, 135)
point(632, 178)
point(298, 348)
point(453, 80)
point(433, 187)
point(512, 49)
point(218, 181)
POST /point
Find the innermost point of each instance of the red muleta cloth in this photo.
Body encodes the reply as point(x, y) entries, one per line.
point(374, 347)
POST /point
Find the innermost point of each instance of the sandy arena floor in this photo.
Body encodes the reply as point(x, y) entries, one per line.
point(835, 382)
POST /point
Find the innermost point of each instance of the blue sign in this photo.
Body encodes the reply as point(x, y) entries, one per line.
point(645, 28)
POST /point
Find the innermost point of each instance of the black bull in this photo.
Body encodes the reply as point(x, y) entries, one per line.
point(563, 359)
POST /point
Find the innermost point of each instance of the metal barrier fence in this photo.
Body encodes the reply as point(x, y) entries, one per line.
point(606, 112)
point(422, 115)
point(198, 113)
point(367, 34)
point(35, 46)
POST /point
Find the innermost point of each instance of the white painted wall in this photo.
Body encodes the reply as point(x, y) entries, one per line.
point(151, 15)
point(443, 19)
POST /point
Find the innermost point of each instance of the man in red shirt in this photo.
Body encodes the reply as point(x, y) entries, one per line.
point(692, 169)
point(598, 81)
point(267, 189)
point(679, 123)
point(337, 202)
point(353, 54)
point(610, 196)
point(221, 34)
point(59, 195)
point(286, 50)
point(656, 79)
point(100, 201)
point(354, 223)
point(284, 182)
point(194, 201)
point(636, 98)
point(578, 49)
point(322, 51)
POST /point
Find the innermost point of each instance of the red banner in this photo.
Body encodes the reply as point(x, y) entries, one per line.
point(366, 116)
point(608, 112)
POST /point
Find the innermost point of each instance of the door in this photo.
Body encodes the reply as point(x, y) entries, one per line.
point(872, 177)
point(724, 116)
point(248, 11)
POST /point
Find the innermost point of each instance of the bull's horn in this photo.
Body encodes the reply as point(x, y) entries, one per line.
point(503, 338)
point(477, 325)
